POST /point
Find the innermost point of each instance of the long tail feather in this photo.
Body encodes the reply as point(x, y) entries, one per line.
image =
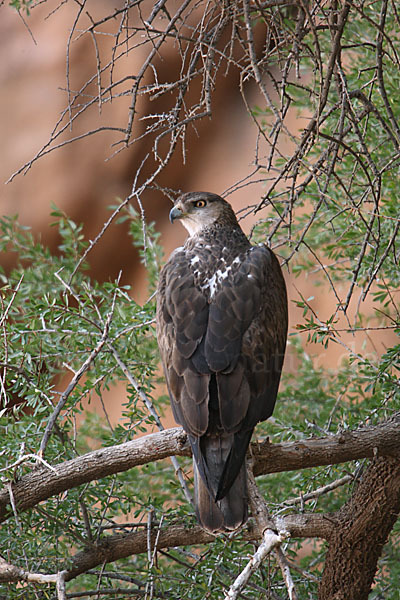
point(226, 514)
point(233, 463)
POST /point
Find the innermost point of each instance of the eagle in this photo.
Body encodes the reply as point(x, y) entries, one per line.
point(221, 330)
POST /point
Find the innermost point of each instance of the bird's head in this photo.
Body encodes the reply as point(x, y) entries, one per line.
point(197, 210)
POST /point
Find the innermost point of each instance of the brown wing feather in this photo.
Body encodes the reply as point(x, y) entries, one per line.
point(239, 335)
point(248, 383)
point(182, 316)
point(246, 338)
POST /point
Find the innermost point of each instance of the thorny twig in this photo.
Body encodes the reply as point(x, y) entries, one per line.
point(265, 42)
point(75, 380)
point(270, 541)
point(253, 41)
point(152, 411)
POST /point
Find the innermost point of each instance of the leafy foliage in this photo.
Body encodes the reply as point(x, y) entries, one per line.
point(21, 5)
point(335, 223)
point(50, 326)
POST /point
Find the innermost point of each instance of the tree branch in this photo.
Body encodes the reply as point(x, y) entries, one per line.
point(363, 526)
point(37, 486)
point(383, 440)
point(114, 547)
point(366, 442)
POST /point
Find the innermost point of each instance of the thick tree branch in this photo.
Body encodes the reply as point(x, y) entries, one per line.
point(10, 573)
point(366, 442)
point(363, 526)
point(383, 439)
point(115, 547)
point(37, 485)
point(118, 546)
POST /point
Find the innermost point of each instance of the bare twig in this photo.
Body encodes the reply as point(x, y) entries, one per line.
point(75, 380)
point(263, 519)
point(270, 541)
point(26, 457)
point(152, 411)
point(285, 570)
point(9, 305)
point(320, 491)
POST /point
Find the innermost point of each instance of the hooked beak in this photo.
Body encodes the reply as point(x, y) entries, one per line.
point(175, 213)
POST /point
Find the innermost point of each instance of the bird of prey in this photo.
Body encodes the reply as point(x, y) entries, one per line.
point(221, 328)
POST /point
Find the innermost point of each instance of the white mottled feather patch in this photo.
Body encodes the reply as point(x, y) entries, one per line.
point(214, 282)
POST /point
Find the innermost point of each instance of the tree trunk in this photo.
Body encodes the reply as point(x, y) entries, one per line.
point(364, 524)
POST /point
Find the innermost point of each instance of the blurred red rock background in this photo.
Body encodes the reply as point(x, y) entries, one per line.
point(79, 179)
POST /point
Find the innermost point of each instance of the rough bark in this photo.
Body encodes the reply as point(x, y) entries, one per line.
point(366, 442)
point(356, 533)
point(11, 573)
point(363, 526)
point(41, 483)
point(115, 547)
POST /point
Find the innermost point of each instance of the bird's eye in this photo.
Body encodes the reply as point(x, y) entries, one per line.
point(200, 203)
